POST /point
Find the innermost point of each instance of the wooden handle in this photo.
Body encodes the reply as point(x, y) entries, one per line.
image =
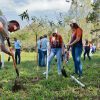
point(14, 64)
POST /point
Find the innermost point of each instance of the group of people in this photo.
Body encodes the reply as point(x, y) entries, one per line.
point(55, 44)
point(42, 50)
point(57, 48)
point(88, 49)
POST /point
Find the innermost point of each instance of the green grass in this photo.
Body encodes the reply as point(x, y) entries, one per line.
point(56, 87)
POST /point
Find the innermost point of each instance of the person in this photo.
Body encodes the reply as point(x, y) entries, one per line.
point(87, 50)
point(56, 48)
point(6, 26)
point(17, 46)
point(39, 51)
point(76, 44)
point(44, 50)
point(93, 48)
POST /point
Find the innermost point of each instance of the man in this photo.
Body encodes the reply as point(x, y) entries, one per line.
point(39, 51)
point(44, 49)
point(56, 48)
point(4, 35)
point(17, 46)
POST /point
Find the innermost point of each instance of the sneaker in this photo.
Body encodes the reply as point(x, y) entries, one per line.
point(80, 77)
point(59, 73)
point(44, 73)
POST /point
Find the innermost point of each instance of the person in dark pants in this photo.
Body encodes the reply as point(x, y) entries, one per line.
point(5, 28)
point(39, 43)
point(76, 44)
point(17, 50)
point(87, 50)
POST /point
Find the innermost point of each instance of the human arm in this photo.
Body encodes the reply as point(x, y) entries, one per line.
point(3, 30)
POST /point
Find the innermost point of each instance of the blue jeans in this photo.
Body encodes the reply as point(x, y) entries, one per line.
point(39, 57)
point(57, 52)
point(76, 54)
point(44, 58)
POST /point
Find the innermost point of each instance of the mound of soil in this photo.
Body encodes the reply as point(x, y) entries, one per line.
point(17, 85)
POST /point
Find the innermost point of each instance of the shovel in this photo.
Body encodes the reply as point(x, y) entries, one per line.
point(8, 58)
point(63, 71)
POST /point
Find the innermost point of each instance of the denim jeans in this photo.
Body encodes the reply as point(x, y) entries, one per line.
point(44, 58)
point(17, 56)
point(57, 52)
point(76, 54)
point(39, 57)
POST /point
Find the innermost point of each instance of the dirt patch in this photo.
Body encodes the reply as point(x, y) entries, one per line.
point(18, 85)
point(36, 79)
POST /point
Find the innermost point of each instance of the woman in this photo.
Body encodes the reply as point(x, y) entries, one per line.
point(76, 44)
point(56, 48)
point(87, 50)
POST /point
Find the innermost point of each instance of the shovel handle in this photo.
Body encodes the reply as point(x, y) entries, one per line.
point(14, 63)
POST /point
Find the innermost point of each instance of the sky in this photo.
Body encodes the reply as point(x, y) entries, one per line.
point(39, 8)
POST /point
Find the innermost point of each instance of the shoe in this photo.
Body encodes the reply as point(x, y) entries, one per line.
point(74, 73)
point(59, 73)
point(44, 73)
point(80, 77)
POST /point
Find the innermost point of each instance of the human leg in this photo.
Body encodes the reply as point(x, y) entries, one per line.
point(19, 56)
point(50, 57)
point(78, 52)
point(59, 57)
point(73, 55)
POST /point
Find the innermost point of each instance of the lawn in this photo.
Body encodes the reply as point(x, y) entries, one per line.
point(55, 87)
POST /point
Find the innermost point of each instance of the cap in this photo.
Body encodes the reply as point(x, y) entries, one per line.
point(14, 24)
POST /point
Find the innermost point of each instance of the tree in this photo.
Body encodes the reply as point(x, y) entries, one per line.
point(94, 18)
point(25, 15)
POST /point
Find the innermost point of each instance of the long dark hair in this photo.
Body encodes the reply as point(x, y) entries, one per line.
point(74, 25)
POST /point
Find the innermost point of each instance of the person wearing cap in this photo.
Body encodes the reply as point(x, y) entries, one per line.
point(56, 48)
point(5, 28)
point(76, 44)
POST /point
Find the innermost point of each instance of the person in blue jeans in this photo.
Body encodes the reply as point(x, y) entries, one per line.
point(39, 42)
point(44, 50)
point(56, 44)
point(76, 44)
